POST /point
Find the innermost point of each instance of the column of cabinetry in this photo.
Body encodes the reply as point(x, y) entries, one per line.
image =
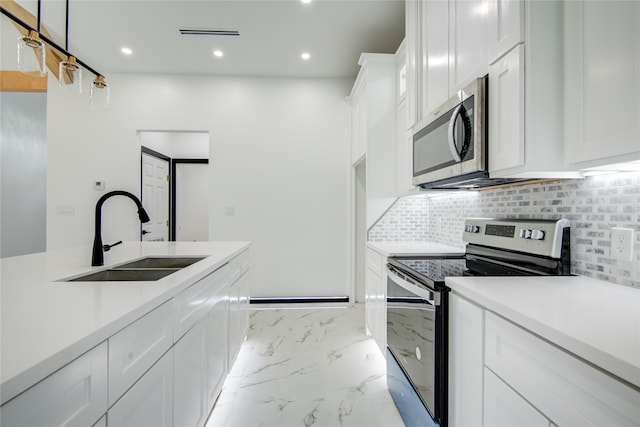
point(404, 137)
point(374, 100)
point(602, 83)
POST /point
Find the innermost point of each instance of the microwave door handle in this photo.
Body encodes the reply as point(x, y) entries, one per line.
point(451, 137)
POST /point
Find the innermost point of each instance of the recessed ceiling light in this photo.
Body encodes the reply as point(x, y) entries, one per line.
point(305, 56)
point(126, 51)
point(218, 53)
point(305, 1)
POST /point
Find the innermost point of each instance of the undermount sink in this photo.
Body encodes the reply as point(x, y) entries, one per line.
point(132, 275)
point(161, 262)
point(147, 269)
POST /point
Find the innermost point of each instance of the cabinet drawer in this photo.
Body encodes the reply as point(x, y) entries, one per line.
point(374, 262)
point(193, 303)
point(150, 401)
point(133, 350)
point(75, 395)
point(503, 407)
point(238, 266)
point(566, 390)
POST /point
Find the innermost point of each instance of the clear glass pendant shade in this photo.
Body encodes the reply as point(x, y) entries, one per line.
point(31, 54)
point(70, 75)
point(99, 95)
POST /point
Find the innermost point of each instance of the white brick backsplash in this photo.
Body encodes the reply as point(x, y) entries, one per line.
point(593, 205)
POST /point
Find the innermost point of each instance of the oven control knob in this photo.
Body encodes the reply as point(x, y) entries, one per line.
point(537, 234)
point(525, 233)
point(471, 228)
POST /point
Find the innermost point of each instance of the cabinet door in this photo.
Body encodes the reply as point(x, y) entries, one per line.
point(435, 55)
point(503, 407)
point(234, 322)
point(371, 286)
point(404, 152)
point(76, 395)
point(505, 27)
point(134, 349)
point(466, 362)
point(190, 378)
point(467, 42)
point(149, 403)
point(602, 48)
point(217, 339)
point(412, 25)
point(506, 112)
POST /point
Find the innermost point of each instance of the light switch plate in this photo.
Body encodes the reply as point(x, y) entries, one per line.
point(622, 243)
point(229, 211)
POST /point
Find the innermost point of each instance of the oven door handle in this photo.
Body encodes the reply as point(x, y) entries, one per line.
point(415, 289)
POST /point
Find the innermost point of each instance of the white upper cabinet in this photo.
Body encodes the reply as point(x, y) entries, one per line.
point(526, 103)
point(602, 82)
point(467, 42)
point(506, 27)
point(446, 50)
point(434, 56)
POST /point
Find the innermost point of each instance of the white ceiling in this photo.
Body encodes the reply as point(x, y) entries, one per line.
point(273, 34)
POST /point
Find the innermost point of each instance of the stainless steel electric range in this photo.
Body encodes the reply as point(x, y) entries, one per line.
point(417, 303)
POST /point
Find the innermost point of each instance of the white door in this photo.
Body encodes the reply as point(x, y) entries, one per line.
point(155, 198)
point(192, 202)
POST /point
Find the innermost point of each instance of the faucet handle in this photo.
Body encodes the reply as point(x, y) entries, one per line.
point(107, 248)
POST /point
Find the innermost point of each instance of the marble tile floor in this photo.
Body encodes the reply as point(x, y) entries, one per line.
point(307, 367)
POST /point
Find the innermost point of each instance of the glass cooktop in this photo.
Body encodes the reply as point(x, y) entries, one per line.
point(434, 269)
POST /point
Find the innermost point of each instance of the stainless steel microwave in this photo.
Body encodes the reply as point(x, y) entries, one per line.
point(450, 145)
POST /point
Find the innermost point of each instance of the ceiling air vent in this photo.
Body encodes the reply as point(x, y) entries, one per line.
point(208, 32)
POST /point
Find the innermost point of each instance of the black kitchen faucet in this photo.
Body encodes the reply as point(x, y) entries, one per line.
point(97, 257)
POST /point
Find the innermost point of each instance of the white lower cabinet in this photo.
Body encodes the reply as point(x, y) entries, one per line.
point(75, 395)
point(376, 297)
point(466, 362)
point(164, 369)
point(238, 315)
point(135, 348)
point(190, 407)
point(505, 408)
point(217, 337)
point(503, 375)
point(149, 403)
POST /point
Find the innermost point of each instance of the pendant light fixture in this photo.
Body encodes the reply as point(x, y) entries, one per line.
point(99, 96)
point(31, 54)
point(69, 71)
point(70, 74)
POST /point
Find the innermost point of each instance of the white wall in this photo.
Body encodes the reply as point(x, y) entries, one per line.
point(177, 145)
point(279, 152)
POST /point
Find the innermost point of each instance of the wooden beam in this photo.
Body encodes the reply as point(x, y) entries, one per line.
point(17, 81)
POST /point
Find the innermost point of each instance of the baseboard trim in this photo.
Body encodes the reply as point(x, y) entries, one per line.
point(298, 300)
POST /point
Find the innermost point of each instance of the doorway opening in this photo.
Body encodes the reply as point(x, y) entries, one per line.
point(179, 194)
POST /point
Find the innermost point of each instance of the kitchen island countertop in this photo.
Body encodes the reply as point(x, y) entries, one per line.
point(47, 322)
point(595, 320)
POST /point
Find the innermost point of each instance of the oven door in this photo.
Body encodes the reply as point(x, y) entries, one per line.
point(417, 369)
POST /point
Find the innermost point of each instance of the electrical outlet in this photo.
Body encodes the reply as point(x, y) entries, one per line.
point(622, 243)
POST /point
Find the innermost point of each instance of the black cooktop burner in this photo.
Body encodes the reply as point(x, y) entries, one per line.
point(434, 269)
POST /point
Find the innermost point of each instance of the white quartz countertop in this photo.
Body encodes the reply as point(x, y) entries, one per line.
point(414, 248)
point(595, 320)
point(45, 323)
